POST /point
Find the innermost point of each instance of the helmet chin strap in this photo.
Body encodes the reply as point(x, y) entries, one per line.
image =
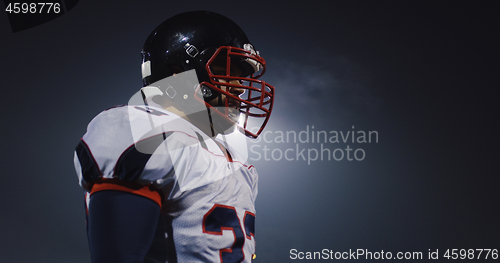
point(212, 130)
point(219, 104)
point(219, 101)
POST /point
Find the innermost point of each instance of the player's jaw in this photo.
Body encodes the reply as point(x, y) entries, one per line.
point(227, 107)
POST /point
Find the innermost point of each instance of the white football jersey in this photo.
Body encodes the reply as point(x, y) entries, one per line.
point(208, 188)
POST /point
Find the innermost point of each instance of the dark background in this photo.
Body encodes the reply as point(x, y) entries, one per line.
point(423, 74)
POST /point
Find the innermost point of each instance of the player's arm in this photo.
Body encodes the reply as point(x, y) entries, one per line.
point(121, 226)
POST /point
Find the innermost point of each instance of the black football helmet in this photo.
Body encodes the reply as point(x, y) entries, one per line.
point(200, 40)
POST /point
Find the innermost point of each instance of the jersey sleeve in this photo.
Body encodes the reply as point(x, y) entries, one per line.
point(124, 143)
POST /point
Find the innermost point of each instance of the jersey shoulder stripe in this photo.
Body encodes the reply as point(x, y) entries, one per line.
point(89, 169)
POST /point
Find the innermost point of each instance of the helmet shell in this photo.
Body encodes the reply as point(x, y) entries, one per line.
point(187, 41)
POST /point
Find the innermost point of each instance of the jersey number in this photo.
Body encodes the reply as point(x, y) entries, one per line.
point(222, 217)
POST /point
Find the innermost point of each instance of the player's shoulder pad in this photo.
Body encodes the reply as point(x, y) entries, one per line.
point(138, 120)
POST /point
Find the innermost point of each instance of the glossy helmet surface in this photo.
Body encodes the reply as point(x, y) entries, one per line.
point(198, 40)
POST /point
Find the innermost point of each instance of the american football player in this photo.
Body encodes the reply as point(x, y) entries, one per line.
point(161, 182)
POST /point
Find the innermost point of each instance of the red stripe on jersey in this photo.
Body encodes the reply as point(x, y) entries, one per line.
point(143, 190)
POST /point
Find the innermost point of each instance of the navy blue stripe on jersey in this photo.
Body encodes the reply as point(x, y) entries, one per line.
point(90, 169)
point(249, 223)
point(202, 142)
point(131, 163)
